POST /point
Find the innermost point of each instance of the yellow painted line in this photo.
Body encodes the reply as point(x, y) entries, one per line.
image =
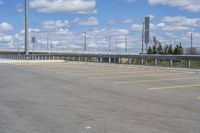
point(198, 97)
point(135, 76)
point(121, 72)
point(157, 80)
point(83, 71)
point(175, 87)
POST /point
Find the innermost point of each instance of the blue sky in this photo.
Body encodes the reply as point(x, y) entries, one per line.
point(62, 23)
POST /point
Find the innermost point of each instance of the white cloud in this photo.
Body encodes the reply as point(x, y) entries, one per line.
point(5, 27)
point(127, 21)
point(1, 2)
point(71, 6)
point(92, 21)
point(111, 21)
point(128, 1)
point(136, 27)
point(189, 5)
point(182, 21)
point(120, 32)
point(55, 24)
point(177, 23)
point(5, 38)
point(163, 26)
point(19, 7)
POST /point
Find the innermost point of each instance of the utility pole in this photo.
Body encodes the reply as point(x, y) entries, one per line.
point(191, 49)
point(26, 28)
point(126, 45)
point(85, 41)
point(51, 45)
point(47, 42)
point(109, 44)
point(18, 50)
point(142, 38)
point(116, 45)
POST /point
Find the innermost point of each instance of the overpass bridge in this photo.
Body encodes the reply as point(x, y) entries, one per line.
point(103, 57)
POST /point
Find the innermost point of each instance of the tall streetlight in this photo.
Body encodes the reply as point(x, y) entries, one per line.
point(126, 45)
point(191, 47)
point(109, 45)
point(142, 38)
point(85, 41)
point(26, 28)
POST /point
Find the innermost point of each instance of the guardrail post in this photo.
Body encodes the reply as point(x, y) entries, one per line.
point(171, 63)
point(156, 62)
point(109, 59)
point(119, 59)
point(142, 61)
point(189, 63)
point(129, 61)
point(101, 59)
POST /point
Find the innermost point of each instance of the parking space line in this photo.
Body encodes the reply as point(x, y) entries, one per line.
point(121, 72)
point(156, 80)
point(136, 76)
point(86, 71)
point(175, 87)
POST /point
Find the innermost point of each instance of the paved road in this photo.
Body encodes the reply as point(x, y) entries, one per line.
point(98, 98)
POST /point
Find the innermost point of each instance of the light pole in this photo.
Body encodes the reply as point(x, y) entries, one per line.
point(47, 42)
point(191, 49)
point(26, 28)
point(116, 46)
point(85, 41)
point(109, 44)
point(142, 38)
point(126, 45)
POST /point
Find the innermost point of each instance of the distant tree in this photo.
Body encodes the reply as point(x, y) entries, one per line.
point(154, 50)
point(176, 50)
point(160, 49)
point(181, 49)
point(170, 49)
point(150, 51)
point(165, 51)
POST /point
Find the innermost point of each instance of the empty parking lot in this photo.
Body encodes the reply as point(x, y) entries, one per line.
point(98, 98)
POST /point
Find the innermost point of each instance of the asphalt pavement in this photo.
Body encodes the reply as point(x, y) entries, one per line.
point(77, 97)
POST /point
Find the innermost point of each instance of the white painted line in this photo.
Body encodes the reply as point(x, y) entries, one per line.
point(88, 127)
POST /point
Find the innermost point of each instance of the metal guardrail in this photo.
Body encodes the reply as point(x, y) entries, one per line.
point(105, 57)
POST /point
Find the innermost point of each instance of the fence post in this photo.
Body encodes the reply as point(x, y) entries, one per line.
point(156, 62)
point(189, 63)
point(109, 59)
point(142, 61)
point(171, 63)
point(129, 61)
point(119, 60)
